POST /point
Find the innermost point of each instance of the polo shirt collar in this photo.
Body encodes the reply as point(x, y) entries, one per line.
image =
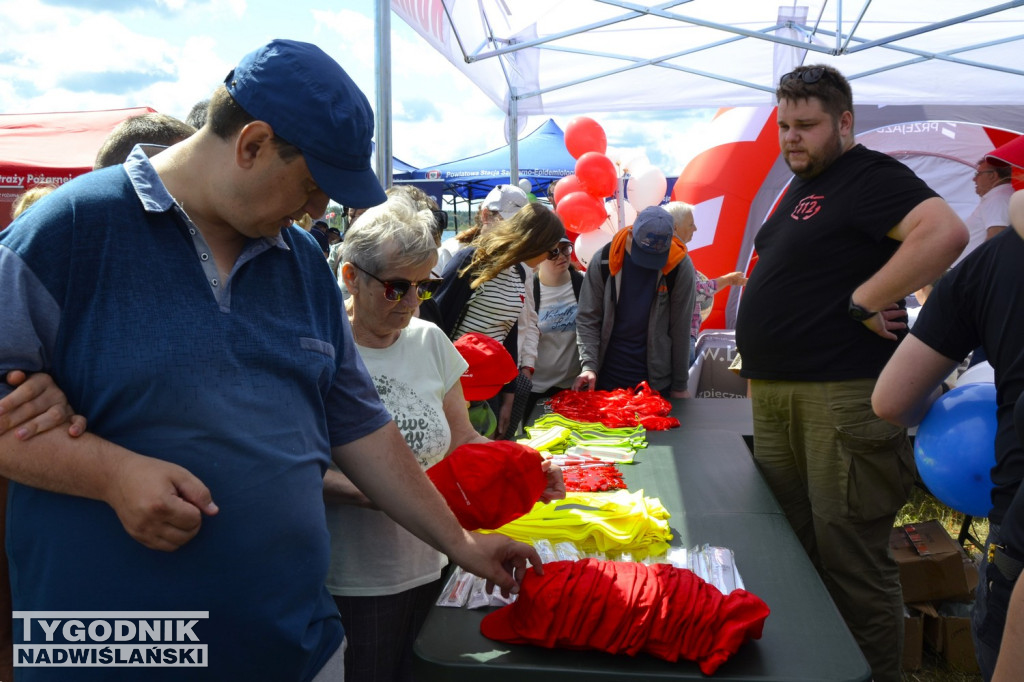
point(154, 196)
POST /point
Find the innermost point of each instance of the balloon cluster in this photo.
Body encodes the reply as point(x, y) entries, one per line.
point(587, 202)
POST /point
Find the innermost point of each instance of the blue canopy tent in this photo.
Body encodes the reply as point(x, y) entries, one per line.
point(401, 167)
point(543, 159)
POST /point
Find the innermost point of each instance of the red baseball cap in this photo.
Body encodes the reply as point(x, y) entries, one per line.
point(1009, 154)
point(490, 366)
point(489, 484)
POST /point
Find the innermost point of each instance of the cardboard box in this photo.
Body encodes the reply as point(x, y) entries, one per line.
point(933, 567)
point(947, 632)
point(913, 638)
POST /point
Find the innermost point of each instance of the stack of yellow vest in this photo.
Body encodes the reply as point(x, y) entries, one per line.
point(622, 521)
point(556, 434)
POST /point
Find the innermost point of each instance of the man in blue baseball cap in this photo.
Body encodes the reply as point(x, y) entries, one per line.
point(631, 323)
point(178, 306)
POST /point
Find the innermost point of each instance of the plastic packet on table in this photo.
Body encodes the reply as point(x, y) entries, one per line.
point(567, 551)
point(603, 453)
point(723, 569)
point(480, 598)
point(497, 600)
point(698, 563)
point(545, 550)
point(678, 557)
point(456, 589)
point(716, 565)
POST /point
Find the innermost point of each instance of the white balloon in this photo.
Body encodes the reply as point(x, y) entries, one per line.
point(611, 224)
point(525, 185)
point(636, 163)
point(614, 155)
point(646, 188)
point(589, 243)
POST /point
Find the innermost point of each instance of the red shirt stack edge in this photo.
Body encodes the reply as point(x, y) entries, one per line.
point(628, 608)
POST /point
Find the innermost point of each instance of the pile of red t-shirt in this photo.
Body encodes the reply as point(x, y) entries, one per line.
point(592, 478)
point(627, 608)
point(621, 407)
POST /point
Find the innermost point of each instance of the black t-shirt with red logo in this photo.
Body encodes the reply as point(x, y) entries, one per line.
point(826, 237)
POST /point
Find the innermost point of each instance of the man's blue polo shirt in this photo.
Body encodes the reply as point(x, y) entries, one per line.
point(246, 383)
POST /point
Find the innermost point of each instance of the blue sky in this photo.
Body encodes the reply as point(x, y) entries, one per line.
point(72, 55)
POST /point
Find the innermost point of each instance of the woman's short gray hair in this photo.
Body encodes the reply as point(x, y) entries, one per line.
point(393, 234)
point(679, 210)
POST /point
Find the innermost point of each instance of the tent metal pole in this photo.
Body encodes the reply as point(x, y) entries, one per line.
point(513, 137)
point(382, 59)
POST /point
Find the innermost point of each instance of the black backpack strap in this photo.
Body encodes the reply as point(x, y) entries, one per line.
point(603, 255)
point(602, 258)
point(577, 282)
point(670, 279)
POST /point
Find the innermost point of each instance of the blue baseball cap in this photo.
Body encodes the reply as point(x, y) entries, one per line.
point(652, 238)
point(310, 102)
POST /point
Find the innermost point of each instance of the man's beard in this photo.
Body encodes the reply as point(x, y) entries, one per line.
point(816, 164)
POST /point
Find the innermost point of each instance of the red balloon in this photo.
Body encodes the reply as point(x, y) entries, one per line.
point(597, 174)
point(584, 135)
point(581, 212)
point(567, 185)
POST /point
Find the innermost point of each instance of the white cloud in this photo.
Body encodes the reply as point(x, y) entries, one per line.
point(170, 56)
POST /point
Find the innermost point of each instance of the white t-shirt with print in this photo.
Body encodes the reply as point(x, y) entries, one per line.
point(371, 555)
point(558, 358)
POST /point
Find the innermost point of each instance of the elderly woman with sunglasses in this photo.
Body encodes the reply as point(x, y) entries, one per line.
point(384, 580)
point(484, 286)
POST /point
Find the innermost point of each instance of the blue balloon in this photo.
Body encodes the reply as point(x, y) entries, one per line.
point(955, 448)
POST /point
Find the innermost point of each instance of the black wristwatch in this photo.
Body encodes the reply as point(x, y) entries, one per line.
point(858, 312)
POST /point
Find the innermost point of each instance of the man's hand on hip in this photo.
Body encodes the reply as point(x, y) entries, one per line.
point(885, 321)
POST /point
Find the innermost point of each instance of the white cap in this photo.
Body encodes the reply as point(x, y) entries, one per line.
point(506, 200)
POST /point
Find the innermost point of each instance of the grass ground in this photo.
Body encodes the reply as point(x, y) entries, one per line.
point(923, 507)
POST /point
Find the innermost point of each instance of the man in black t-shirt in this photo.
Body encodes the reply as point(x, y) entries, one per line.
point(854, 234)
point(979, 303)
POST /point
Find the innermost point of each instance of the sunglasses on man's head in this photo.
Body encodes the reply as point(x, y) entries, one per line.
point(810, 76)
point(395, 289)
point(562, 249)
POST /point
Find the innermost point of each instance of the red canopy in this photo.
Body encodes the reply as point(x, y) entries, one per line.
point(50, 148)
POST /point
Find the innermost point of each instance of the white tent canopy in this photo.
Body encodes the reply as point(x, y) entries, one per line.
point(572, 56)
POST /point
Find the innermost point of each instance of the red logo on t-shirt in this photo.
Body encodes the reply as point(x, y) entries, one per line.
point(807, 208)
